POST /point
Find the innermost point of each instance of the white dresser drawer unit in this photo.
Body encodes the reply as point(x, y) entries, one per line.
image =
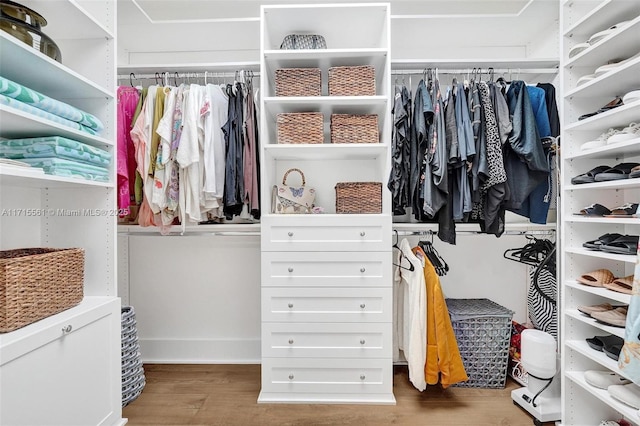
point(330, 269)
point(310, 304)
point(318, 233)
point(327, 376)
point(333, 340)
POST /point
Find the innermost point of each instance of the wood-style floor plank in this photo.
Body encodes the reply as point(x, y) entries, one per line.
point(209, 395)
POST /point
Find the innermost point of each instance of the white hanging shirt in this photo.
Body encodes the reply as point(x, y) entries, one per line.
point(214, 145)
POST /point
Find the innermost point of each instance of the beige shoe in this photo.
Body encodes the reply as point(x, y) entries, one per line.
point(616, 317)
point(588, 310)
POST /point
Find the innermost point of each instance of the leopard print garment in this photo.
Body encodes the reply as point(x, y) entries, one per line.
point(495, 159)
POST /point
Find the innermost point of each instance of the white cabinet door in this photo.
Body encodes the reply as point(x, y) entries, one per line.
point(72, 379)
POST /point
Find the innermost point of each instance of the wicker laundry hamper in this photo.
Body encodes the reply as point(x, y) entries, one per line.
point(133, 379)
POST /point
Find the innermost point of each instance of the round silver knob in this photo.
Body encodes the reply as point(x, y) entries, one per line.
point(290, 305)
point(290, 234)
point(362, 377)
point(67, 329)
point(291, 341)
point(362, 341)
point(362, 269)
point(362, 234)
point(362, 305)
point(290, 376)
point(290, 269)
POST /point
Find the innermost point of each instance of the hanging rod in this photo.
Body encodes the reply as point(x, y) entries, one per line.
point(485, 71)
point(429, 232)
point(200, 74)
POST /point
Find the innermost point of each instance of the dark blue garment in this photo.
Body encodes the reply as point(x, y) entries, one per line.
point(525, 161)
point(421, 120)
point(398, 182)
point(539, 106)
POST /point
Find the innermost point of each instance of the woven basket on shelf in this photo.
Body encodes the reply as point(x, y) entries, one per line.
point(36, 283)
point(349, 128)
point(352, 81)
point(359, 197)
point(298, 82)
point(300, 127)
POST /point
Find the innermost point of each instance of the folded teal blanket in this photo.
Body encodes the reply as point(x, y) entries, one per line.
point(67, 168)
point(38, 100)
point(54, 146)
point(5, 100)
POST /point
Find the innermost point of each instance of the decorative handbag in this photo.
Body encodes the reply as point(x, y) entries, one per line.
point(287, 199)
point(303, 41)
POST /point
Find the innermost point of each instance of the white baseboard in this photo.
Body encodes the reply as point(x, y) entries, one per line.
point(200, 351)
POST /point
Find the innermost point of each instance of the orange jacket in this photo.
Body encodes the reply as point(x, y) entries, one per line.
point(444, 362)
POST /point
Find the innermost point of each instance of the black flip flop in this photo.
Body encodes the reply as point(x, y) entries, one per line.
point(635, 172)
point(599, 343)
point(602, 240)
point(617, 102)
point(588, 177)
point(617, 172)
point(594, 210)
point(627, 210)
point(627, 244)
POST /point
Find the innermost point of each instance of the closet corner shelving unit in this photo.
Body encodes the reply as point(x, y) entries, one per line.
point(582, 403)
point(326, 278)
point(66, 366)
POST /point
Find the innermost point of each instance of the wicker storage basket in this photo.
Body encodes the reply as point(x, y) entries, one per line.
point(352, 81)
point(133, 378)
point(359, 197)
point(38, 282)
point(300, 127)
point(483, 331)
point(298, 82)
point(348, 128)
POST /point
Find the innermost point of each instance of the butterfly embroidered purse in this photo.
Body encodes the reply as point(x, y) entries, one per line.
point(287, 199)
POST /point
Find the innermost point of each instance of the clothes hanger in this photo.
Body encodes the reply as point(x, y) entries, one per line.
point(396, 246)
point(434, 257)
point(132, 77)
point(549, 264)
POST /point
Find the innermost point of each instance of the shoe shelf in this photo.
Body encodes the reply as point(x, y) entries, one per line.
point(618, 81)
point(628, 258)
point(605, 220)
point(625, 410)
point(28, 177)
point(577, 315)
point(326, 104)
point(582, 347)
point(325, 58)
point(603, 16)
point(599, 291)
point(622, 43)
point(609, 152)
point(616, 117)
point(612, 184)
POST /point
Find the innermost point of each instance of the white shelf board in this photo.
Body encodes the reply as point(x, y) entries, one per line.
point(612, 184)
point(602, 394)
point(613, 151)
point(227, 229)
point(600, 357)
point(621, 44)
point(188, 67)
point(325, 151)
point(600, 291)
point(19, 124)
point(629, 258)
point(550, 64)
point(26, 178)
point(604, 15)
point(329, 216)
point(325, 58)
point(27, 66)
point(616, 117)
point(607, 220)
point(327, 105)
point(615, 82)
point(66, 19)
point(575, 314)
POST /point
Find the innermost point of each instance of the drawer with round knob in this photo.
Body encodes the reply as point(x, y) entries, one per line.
point(327, 376)
point(318, 233)
point(332, 340)
point(311, 304)
point(326, 269)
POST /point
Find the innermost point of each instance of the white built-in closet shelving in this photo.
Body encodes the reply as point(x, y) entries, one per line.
point(326, 278)
point(582, 403)
point(68, 365)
